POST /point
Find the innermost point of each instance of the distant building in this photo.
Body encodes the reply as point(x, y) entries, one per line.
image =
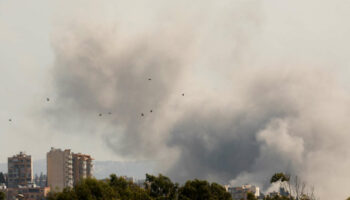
point(29, 192)
point(40, 180)
point(82, 167)
point(20, 170)
point(282, 192)
point(59, 169)
point(239, 193)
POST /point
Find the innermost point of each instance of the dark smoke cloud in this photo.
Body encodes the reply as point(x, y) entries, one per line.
point(239, 120)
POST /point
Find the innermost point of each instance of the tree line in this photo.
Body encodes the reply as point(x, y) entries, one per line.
point(162, 188)
point(155, 188)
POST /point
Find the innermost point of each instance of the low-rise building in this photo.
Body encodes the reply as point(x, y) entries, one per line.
point(29, 192)
point(239, 193)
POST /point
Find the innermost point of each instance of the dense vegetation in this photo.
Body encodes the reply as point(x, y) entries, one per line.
point(2, 196)
point(156, 188)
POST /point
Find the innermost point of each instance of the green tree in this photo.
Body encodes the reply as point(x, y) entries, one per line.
point(66, 194)
point(280, 177)
point(2, 178)
point(161, 187)
point(92, 189)
point(127, 189)
point(202, 190)
point(251, 196)
point(2, 195)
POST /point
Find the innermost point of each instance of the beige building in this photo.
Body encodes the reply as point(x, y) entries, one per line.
point(59, 169)
point(82, 167)
point(20, 170)
point(30, 192)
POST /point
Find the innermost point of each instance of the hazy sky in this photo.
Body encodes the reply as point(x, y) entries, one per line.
point(266, 85)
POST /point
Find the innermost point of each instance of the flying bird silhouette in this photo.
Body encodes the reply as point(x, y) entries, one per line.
point(151, 111)
point(142, 115)
point(149, 79)
point(100, 114)
point(183, 94)
point(10, 120)
point(47, 99)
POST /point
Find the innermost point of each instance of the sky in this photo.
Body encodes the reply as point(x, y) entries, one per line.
point(239, 89)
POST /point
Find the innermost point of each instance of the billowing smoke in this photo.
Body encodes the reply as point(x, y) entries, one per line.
point(249, 108)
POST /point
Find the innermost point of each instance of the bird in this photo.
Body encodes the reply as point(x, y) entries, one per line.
point(142, 115)
point(109, 113)
point(10, 120)
point(149, 79)
point(47, 99)
point(100, 114)
point(151, 111)
point(183, 94)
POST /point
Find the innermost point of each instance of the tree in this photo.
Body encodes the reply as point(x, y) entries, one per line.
point(66, 194)
point(2, 178)
point(251, 196)
point(127, 189)
point(202, 190)
point(2, 196)
point(160, 187)
point(294, 186)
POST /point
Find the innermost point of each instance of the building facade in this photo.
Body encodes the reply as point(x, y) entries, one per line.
point(239, 193)
point(82, 167)
point(59, 169)
point(29, 192)
point(20, 170)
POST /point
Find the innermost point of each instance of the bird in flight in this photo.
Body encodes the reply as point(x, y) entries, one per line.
point(183, 94)
point(47, 99)
point(149, 79)
point(100, 114)
point(10, 120)
point(142, 115)
point(151, 111)
point(109, 113)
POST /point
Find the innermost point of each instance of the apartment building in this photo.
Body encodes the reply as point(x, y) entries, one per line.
point(59, 169)
point(82, 167)
point(20, 170)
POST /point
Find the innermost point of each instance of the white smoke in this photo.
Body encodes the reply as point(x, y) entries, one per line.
point(260, 96)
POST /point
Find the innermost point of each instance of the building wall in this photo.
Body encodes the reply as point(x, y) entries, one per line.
point(59, 169)
point(20, 170)
point(239, 193)
point(82, 167)
point(29, 193)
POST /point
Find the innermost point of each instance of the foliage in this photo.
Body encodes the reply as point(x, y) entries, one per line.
point(2, 178)
point(156, 188)
point(160, 187)
point(202, 190)
point(251, 196)
point(280, 177)
point(296, 188)
point(2, 196)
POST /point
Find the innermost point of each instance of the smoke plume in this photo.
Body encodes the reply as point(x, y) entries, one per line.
point(255, 102)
